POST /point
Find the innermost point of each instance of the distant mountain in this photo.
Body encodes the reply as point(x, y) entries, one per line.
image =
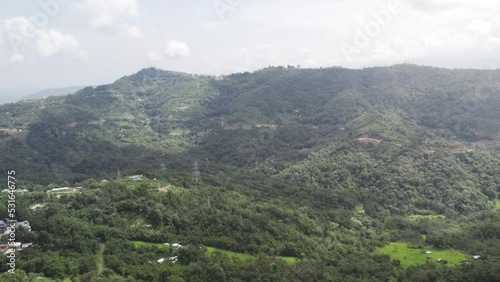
point(52, 92)
point(13, 95)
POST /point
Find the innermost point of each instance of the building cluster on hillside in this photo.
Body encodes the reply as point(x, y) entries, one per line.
point(64, 190)
point(37, 206)
point(135, 177)
point(173, 259)
point(174, 245)
point(5, 231)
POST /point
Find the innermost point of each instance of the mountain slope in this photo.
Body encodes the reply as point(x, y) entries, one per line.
point(268, 121)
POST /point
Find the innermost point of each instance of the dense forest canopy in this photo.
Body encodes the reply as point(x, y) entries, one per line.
point(282, 174)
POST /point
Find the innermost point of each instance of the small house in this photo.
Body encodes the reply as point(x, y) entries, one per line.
point(23, 224)
point(37, 206)
point(3, 226)
point(16, 245)
point(135, 177)
point(27, 245)
point(428, 252)
point(476, 257)
point(176, 246)
point(160, 261)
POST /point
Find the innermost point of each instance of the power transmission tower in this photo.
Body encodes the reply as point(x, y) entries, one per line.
point(196, 173)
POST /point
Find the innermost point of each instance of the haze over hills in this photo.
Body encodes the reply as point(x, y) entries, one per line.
point(341, 159)
point(52, 92)
point(14, 95)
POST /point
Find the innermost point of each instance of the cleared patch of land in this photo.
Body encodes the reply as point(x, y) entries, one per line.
point(359, 207)
point(241, 256)
point(497, 204)
point(409, 256)
point(179, 132)
point(100, 260)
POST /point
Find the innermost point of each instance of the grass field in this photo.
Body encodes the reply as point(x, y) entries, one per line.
point(241, 256)
point(147, 244)
point(409, 256)
point(429, 216)
point(179, 132)
point(246, 256)
point(497, 204)
point(359, 207)
point(230, 254)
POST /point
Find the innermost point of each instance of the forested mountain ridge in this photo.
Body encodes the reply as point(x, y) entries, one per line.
point(324, 165)
point(286, 108)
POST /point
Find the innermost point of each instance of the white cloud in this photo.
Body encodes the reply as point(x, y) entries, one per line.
point(16, 59)
point(115, 16)
point(176, 49)
point(50, 42)
point(153, 56)
point(23, 35)
point(131, 31)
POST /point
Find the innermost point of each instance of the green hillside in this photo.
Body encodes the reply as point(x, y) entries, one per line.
point(334, 167)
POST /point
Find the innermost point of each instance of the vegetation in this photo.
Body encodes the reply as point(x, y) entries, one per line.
point(412, 256)
point(331, 169)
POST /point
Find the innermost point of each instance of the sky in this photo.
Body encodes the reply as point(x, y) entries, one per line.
point(60, 43)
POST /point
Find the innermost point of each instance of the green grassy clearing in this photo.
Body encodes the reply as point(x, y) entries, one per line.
point(230, 254)
point(147, 244)
point(409, 256)
point(241, 256)
point(359, 207)
point(100, 259)
point(179, 132)
point(497, 204)
point(246, 256)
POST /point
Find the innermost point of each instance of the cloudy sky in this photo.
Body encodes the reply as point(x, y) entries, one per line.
point(58, 43)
